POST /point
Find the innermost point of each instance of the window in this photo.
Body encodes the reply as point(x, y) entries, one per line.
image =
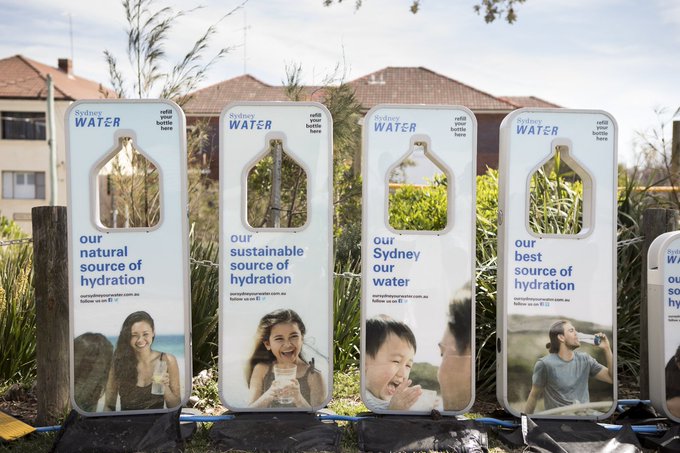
point(23, 185)
point(23, 126)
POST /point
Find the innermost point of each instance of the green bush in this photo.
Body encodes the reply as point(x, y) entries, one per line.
point(17, 314)
point(346, 315)
point(204, 303)
point(419, 208)
point(563, 218)
point(17, 307)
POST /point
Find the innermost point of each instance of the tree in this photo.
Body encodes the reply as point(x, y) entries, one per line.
point(150, 75)
point(345, 112)
point(492, 9)
point(656, 162)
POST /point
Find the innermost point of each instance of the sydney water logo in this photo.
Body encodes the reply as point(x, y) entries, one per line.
point(248, 121)
point(386, 123)
point(534, 127)
point(97, 121)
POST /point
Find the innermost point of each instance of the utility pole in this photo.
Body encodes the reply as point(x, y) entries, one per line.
point(274, 220)
point(52, 140)
point(675, 148)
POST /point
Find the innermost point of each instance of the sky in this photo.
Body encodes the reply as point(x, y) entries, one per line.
point(620, 56)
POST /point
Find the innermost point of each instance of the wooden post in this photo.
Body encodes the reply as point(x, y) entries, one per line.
point(50, 280)
point(655, 222)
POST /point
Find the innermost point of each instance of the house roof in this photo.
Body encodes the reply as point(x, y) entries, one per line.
point(391, 85)
point(404, 85)
point(212, 99)
point(23, 78)
point(529, 101)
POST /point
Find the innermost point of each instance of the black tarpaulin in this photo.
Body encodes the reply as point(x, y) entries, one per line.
point(281, 432)
point(668, 443)
point(120, 434)
point(571, 436)
point(411, 434)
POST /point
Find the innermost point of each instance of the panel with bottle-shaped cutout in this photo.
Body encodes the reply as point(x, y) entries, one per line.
point(276, 271)
point(557, 263)
point(128, 256)
point(418, 258)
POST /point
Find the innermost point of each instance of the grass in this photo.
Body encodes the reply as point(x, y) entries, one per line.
point(346, 401)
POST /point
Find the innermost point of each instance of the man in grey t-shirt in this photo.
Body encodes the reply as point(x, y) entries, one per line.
point(561, 377)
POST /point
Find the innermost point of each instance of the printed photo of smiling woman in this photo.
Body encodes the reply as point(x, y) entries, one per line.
point(140, 377)
point(277, 374)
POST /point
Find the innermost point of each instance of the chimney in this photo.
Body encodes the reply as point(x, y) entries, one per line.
point(66, 66)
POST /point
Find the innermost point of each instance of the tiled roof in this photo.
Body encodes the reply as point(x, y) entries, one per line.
point(212, 99)
point(23, 78)
point(398, 85)
point(391, 85)
point(529, 101)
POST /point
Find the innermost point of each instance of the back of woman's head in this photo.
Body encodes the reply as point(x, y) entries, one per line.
point(556, 329)
point(92, 354)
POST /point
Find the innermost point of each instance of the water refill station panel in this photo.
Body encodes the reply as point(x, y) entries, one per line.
point(418, 259)
point(276, 273)
point(663, 308)
point(130, 301)
point(556, 353)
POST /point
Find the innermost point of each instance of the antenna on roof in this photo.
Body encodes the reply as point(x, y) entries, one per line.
point(70, 32)
point(245, 34)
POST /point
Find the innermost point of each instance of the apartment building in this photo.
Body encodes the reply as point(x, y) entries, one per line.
point(24, 147)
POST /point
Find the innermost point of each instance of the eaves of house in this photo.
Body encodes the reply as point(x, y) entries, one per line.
point(23, 78)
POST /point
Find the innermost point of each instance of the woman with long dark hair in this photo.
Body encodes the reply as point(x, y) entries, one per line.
point(142, 377)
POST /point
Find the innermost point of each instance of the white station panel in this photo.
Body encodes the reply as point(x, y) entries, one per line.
point(128, 263)
point(557, 292)
point(276, 279)
point(663, 308)
point(418, 286)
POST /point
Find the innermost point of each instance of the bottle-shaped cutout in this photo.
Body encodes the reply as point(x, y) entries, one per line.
point(418, 192)
point(276, 190)
point(560, 195)
point(128, 188)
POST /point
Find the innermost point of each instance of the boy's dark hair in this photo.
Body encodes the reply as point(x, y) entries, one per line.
point(378, 329)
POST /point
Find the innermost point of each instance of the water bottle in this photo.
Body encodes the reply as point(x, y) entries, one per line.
point(157, 387)
point(588, 338)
